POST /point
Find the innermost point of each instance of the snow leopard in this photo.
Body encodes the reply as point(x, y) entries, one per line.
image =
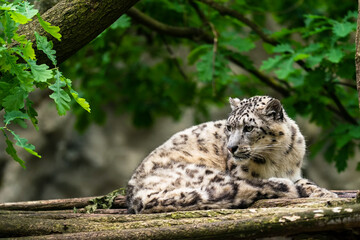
point(257, 153)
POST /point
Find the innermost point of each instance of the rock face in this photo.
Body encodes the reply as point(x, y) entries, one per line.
point(103, 158)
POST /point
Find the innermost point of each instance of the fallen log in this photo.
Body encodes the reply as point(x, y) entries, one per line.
point(266, 218)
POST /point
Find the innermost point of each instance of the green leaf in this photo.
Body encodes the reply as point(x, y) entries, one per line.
point(19, 70)
point(312, 61)
point(301, 56)
point(81, 101)
point(31, 112)
point(240, 44)
point(28, 51)
point(272, 63)
point(46, 46)
point(12, 152)
point(23, 143)
point(19, 18)
point(60, 97)
point(342, 29)
point(283, 48)
point(342, 140)
point(9, 27)
point(309, 19)
point(205, 67)
point(297, 79)
point(8, 6)
point(196, 53)
point(10, 116)
point(335, 55)
point(40, 72)
point(123, 22)
point(342, 156)
point(354, 131)
point(358, 166)
point(15, 100)
point(285, 68)
point(27, 9)
point(313, 47)
point(52, 30)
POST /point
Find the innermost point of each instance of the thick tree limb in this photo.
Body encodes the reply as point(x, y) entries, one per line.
point(264, 219)
point(80, 21)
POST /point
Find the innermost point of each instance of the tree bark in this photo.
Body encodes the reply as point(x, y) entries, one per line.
point(266, 218)
point(357, 54)
point(80, 21)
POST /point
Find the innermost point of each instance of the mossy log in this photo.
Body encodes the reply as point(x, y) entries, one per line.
point(266, 218)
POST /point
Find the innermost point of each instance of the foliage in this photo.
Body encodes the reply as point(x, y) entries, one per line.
point(310, 65)
point(20, 74)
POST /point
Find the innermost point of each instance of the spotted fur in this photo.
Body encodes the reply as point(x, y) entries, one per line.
point(255, 154)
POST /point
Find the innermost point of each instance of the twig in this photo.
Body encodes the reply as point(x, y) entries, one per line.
point(235, 14)
point(350, 85)
point(343, 112)
point(215, 47)
point(215, 44)
point(172, 56)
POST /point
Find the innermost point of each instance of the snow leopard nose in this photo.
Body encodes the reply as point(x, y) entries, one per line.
point(232, 149)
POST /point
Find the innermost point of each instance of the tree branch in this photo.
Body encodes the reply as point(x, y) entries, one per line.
point(80, 21)
point(200, 35)
point(271, 82)
point(174, 59)
point(196, 34)
point(235, 14)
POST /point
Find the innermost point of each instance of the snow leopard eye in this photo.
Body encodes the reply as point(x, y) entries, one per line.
point(248, 128)
point(228, 128)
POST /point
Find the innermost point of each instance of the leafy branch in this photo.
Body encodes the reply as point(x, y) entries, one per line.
point(313, 75)
point(21, 73)
point(199, 34)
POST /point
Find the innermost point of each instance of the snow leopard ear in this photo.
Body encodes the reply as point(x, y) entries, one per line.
point(234, 103)
point(274, 110)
